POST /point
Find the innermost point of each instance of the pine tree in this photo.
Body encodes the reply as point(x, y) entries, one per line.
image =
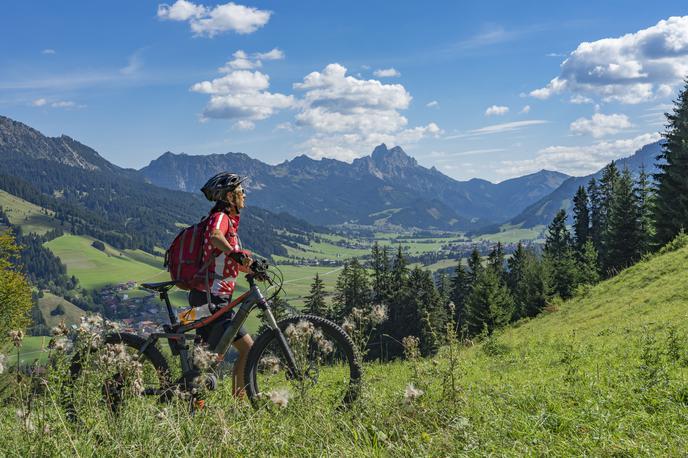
point(425, 315)
point(315, 301)
point(608, 182)
point(352, 290)
point(535, 288)
point(495, 260)
point(380, 267)
point(560, 258)
point(595, 213)
point(461, 287)
point(671, 210)
point(489, 304)
point(622, 237)
point(644, 195)
point(588, 264)
point(475, 266)
point(581, 218)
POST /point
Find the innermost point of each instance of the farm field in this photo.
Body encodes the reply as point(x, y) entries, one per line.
point(95, 268)
point(513, 234)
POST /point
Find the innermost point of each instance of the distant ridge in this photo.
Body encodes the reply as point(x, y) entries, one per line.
point(388, 186)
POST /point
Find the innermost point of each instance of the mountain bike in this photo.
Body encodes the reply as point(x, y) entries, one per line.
point(302, 355)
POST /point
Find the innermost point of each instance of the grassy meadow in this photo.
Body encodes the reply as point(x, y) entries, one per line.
point(30, 217)
point(603, 374)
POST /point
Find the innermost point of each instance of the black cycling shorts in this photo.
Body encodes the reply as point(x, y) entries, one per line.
point(211, 334)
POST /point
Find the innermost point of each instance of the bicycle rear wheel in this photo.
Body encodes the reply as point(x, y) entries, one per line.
point(328, 368)
point(105, 376)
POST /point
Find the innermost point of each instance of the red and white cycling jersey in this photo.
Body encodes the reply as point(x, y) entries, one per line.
point(224, 270)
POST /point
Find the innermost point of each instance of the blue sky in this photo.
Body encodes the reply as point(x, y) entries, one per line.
point(477, 90)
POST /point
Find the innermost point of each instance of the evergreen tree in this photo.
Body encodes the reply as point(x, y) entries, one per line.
point(475, 266)
point(608, 182)
point(595, 213)
point(535, 288)
point(622, 237)
point(495, 260)
point(489, 305)
point(671, 209)
point(380, 266)
point(644, 195)
point(352, 290)
point(581, 218)
point(560, 258)
point(425, 315)
point(315, 301)
point(461, 287)
point(588, 264)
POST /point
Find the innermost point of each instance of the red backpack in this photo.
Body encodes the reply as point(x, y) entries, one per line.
point(184, 257)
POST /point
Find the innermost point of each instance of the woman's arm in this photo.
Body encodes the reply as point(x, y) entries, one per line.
point(219, 241)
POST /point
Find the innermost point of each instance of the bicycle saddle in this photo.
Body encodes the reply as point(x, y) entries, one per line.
point(161, 287)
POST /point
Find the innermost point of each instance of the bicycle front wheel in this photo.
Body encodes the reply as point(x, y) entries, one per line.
point(327, 366)
point(104, 376)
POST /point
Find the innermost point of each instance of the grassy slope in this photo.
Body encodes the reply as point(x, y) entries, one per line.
point(95, 268)
point(600, 375)
point(513, 234)
point(28, 216)
point(48, 303)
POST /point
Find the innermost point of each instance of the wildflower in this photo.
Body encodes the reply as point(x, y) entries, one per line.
point(60, 330)
point(348, 326)
point(203, 358)
point(60, 344)
point(17, 337)
point(46, 429)
point(279, 397)
point(323, 344)
point(357, 313)
point(378, 314)
point(290, 332)
point(271, 363)
point(410, 344)
point(411, 393)
point(162, 415)
point(305, 328)
point(2, 363)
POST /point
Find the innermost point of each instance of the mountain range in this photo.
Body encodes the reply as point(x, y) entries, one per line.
point(121, 205)
point(543, 211)
point(387, 186)
point(92, 196)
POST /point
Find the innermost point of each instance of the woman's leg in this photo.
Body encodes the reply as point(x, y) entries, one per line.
point(243, 345)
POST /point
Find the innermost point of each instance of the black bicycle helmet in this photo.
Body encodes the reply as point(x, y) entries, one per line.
point(218, 186)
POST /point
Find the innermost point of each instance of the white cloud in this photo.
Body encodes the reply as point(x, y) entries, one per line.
point(48, 51)
point(633, 68)
point(577, 160)
point(181, 10)
point(496, 110)
point(600, 125)
point(580, 99)
point(387, 73)
point(205, 21)
point(498, 128)
point(134, 64)
point(273, 54)
point(242, 61)
point(351, 115)
point(39, 102)
point(433, 104)
point(525, 110)
point(241, 95)
point(63, 104)
point(244, 124)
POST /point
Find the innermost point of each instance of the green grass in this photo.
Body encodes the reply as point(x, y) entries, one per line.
point(33, 348)
point(604, 374)
point(48, 303)
point(95, 268)
point(30, 217)
point(513, 234)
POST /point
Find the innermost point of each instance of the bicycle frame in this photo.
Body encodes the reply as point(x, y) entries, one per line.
point(177, 338)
